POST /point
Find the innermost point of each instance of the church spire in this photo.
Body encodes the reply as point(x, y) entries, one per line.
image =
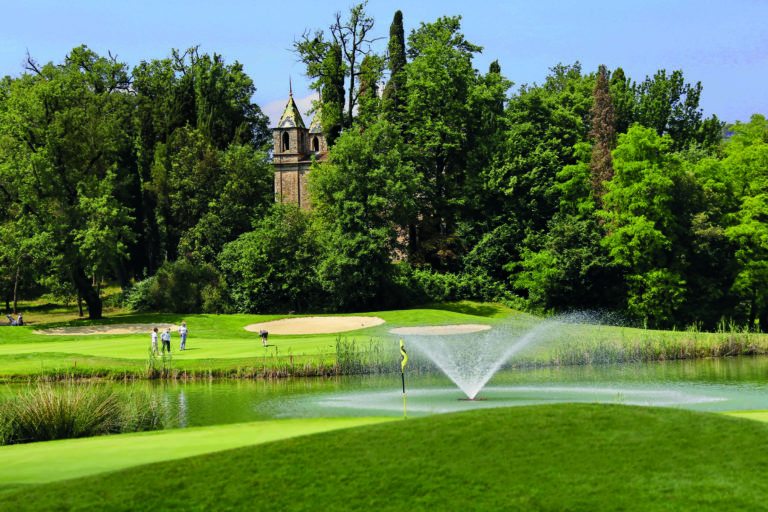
point(291, 117)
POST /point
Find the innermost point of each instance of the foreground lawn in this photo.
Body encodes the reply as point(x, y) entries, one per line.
point(551, 457)
point(51, 461)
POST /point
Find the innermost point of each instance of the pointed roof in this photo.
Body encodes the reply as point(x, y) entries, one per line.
point(314, 126)
point(291, 117)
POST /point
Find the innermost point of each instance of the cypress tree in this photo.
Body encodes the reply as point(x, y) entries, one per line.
point(394, 91)
point(604, 133)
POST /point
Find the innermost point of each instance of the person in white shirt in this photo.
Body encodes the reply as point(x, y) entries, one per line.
point(166, 339)
point(154, 343)
point(183, 333)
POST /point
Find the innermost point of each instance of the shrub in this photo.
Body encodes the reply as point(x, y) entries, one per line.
point(136, 297)
point(419, 286)
point(183, 287)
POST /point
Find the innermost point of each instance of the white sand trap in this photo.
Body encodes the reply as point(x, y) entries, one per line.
point(316, 324)
point(87, 330)
point(441, 330)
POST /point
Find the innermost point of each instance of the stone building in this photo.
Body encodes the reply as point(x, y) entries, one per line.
point(294, 147)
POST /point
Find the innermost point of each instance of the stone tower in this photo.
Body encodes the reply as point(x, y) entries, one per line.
point(294, 147)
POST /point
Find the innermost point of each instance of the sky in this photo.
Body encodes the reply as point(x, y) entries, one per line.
point(722, 44)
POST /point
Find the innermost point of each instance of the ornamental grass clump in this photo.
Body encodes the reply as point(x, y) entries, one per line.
point(45, 413)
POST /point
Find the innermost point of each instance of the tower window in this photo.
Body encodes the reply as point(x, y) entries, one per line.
point(315, 144)
point(286, 142)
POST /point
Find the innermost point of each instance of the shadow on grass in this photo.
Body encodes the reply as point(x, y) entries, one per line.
point(467, 308)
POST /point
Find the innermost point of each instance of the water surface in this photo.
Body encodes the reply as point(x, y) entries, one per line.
point(723, 384)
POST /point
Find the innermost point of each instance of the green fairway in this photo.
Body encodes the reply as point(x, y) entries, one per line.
point(61, 460)
point(219, 345)
point(215, 341)
point(555, 457)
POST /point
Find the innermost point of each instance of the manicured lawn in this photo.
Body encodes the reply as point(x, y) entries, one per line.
point(587, 457)
point(51, 461)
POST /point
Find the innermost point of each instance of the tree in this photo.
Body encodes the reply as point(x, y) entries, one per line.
point(207, 197)
point(351, 40)
point(440, 78)
point(746, 168)
point(647, 211)
point(272, 268)
point(369, 103)
point(62, 130)
point(603, 133)
point(545, 126)
point(188, 99)
point(364, 193)
point(670, 106)
point(394, 91)
point(623, 97)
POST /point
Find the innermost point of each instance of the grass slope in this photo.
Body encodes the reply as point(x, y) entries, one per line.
point(61, 460)
point(554, 457)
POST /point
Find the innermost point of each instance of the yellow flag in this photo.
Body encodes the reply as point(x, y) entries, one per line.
point(403, 356)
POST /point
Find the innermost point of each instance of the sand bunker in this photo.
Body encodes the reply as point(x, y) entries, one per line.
point(441, 330)
point(316, 324)
point(105, 329)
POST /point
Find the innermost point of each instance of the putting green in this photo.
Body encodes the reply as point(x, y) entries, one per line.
point(51, 461)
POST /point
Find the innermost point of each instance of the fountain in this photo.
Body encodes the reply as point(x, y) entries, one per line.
point(471, 360)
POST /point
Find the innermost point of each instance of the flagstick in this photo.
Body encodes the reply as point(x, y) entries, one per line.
point(403, 362)
point(405, 410)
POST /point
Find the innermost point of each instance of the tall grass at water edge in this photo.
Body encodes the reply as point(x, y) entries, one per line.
point(606, 345)
point(44, 412)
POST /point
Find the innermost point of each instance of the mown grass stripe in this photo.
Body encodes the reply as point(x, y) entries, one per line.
point(59, 460)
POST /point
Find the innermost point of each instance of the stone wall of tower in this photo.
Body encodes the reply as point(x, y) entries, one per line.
point(291, 187)
point(297, 139)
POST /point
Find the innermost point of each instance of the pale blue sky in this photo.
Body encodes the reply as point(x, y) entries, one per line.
point(722, 44)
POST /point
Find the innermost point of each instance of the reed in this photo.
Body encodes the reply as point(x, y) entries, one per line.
point(44, 412)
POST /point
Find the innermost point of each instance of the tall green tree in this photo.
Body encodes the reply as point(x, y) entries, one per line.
point(207, 197)
point(187, 92)
point(670, 105)
point(63, 133)
point(440, 79)
point(394, 92)
point(746, 168)
point(364, 194)
point(647, 210)
point(546, 123)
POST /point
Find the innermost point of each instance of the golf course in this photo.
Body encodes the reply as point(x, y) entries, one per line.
point(574, 456)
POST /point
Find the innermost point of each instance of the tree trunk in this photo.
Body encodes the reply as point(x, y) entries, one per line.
point(16, 291)
point(89, 295)
point(79, 305)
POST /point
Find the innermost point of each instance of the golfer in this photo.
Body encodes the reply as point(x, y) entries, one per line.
point(166, 339)
point(155, 352)
point(183, 333)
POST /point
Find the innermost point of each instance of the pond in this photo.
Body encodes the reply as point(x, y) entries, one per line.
point(723, 384)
